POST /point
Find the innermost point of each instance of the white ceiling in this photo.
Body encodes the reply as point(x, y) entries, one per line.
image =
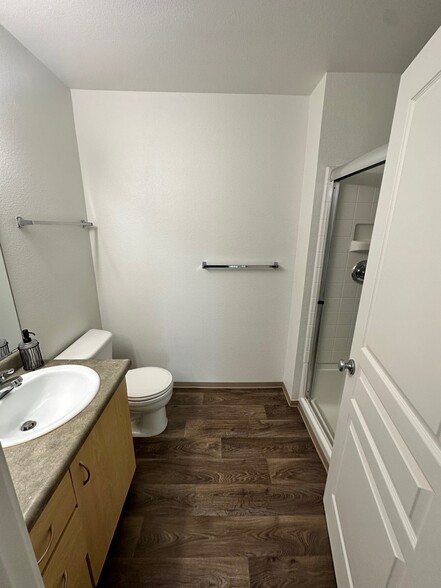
point(237, 46)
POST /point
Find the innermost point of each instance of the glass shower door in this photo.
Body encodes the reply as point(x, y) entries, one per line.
point(347, 255)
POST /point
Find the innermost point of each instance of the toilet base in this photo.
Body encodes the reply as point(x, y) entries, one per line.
point(149, 424)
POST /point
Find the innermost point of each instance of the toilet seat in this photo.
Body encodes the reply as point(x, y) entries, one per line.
point(149, 399)
point(147, 384)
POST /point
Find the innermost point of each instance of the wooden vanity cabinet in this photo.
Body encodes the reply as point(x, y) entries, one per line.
point(101, 474)
point(73, 533)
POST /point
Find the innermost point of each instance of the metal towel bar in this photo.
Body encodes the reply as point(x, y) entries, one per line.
point(22, 222)
point(239, 266)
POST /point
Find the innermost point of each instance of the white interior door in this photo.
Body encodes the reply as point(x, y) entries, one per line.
point(383, 495)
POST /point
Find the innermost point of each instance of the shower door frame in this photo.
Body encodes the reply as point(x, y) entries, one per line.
point(366, 162)
point(333, 188)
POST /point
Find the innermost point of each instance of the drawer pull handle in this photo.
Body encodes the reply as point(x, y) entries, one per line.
point(45, 552)
point(83, 465)
point(65, 579)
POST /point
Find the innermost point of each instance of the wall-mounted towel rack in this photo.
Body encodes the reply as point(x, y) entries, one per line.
point(22, 222)
point(239, 266)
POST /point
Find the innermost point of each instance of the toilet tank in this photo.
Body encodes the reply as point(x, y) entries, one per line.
point(95, 344)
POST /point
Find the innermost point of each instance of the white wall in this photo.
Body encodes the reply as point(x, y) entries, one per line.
point(357, 117)
point(174, 179)
point(50, 268)
point(315, 117)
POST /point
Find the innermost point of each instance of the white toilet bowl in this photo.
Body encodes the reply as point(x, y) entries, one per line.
point(149, 390)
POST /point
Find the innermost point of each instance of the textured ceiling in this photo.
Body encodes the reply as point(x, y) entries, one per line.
point(245, 46)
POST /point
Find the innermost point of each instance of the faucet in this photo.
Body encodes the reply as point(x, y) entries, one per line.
point(6, 387)
point(4, 374)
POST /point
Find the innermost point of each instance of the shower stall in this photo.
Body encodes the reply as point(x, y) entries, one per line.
point(341, 262)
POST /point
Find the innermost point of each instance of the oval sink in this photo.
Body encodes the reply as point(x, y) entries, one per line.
point(45, 400)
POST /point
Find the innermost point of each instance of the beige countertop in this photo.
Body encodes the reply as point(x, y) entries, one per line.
point(37, 466)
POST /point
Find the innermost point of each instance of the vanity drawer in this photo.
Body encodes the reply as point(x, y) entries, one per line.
point(68, 565)
point(49, 527)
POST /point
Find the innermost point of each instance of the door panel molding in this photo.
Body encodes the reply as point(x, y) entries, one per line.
point(402, 413)
point(367, 511)
point(406, 476)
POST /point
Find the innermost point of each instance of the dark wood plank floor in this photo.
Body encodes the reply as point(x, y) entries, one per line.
point(229, 495)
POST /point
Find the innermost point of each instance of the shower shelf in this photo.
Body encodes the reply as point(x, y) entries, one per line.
point(361, 246)
point(361, 240)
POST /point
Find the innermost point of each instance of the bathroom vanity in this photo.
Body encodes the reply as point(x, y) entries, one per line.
point(72, 483)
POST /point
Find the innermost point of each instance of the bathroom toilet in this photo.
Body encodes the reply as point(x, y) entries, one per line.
point(149, 389)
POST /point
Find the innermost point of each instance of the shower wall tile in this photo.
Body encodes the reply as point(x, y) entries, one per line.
point(338, 260)
point(326, 344)
point(348, 272)
point(340, 244)
point(349, 194)
point(365, 193)
point(344, 318)
point(343, 227)
point(333, 305)
point(328, 330)
point(351, 289)
point(333, 290)
point(327, 357)
point(346, 305)
point(355, 256)
point(337, 275)
point(347, 210)
point(343, 330)
point(331, 318)
point(363, 211)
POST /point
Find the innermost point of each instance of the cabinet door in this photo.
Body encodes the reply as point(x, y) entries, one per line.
point(49, 527)
point(101, 474)
point(68, 565)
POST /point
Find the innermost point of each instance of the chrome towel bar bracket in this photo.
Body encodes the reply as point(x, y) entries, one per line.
point(240, 266)
point(22, 222)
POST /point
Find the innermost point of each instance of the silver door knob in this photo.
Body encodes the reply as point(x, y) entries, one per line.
point(347, 365)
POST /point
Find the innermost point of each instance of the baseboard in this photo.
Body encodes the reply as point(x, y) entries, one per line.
point(238, 385)
point(319, 439)
point(288, 399)
point(242, 385)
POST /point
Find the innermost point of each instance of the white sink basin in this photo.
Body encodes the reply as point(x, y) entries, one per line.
point(49, 397)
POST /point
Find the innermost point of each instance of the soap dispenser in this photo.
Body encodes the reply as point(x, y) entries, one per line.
point(30, 351)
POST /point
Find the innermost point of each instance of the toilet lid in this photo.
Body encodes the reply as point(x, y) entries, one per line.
point(147, 382)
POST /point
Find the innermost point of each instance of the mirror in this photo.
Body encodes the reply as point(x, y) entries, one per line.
point(9, 324)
